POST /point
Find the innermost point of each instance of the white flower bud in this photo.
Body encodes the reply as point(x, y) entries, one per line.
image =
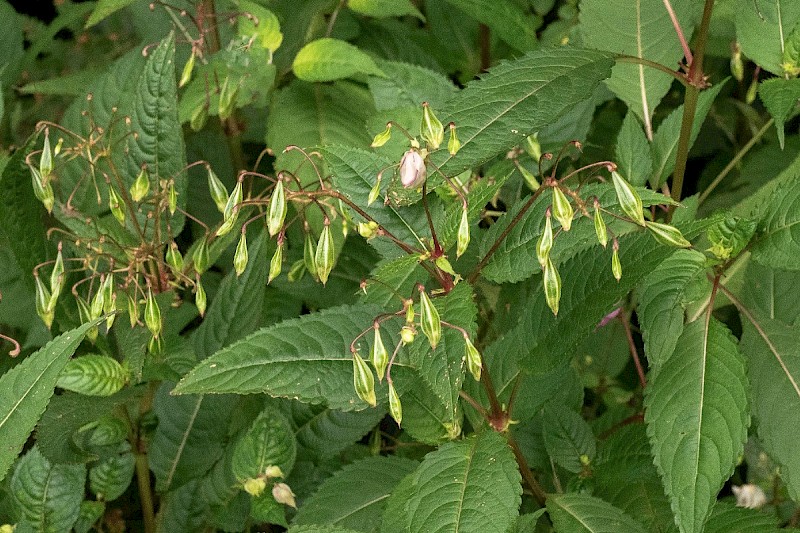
point(749, 496)
point(412, 170)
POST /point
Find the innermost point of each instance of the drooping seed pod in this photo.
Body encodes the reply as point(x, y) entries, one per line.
point(530, 179)
point(218, 191)
point(325, 254)
point(152, 314)
point(276, 263)
point(383, 137)
point(473, 358)
point(562, 209)
point(115, 205)
point(200, 256)
point(462, 240)
point(172, 197)
point(200, 298)
point(395, 408)
point(85, 315)
point(43, 303)
point(98, 302)
point(133, 310)
point(669, 235)
point(227, 99)
point(616, 265)
point(199, 117)
point(296, 271)
point(277, 208)
point(533, 147)
point(231, 212)
point(600, 225)
point(429, 319)
point(43, 190)
point(140, 186)
point(374, 192)
point(628, 198)
point(379, 354)
point(109, 299)
point(453, 145)
point(174, 257)
point(737, 65)
point(240, 257)
point(46, 159)
point(431, 129)
point(552, 286)
point(412, 169)
point(310, 254)
point(58, 275)
point(186, 75)
point(363, 380)
point(545, 242)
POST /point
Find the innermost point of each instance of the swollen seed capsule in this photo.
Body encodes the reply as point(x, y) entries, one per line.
point(200, 256)
point(98, 302)
point(234, 200)
point(462, 241)
point(57, 275)
point(616, 265)
point(473, 359)
point(172, 198)
point(200, 299)
point(140, 186)
point(429, 319)
point(383, 137)
point(374, 192)
point(545, 243)
point(628, 198)
point(407, 334)
point(46, 160)
point(552, 286)
point(395, 408)
point(378, 354)
point(218, 191)
point(363, 380)
point(186, 75)
point(115, 205)
point(562, 209)
point(276, 263)
point(453, 145)
point(669, 235)
point(174, 257)
point(43, 303)
point(600, 225)
point(530, 179)
point(325, 254)
point(431, 128)
point(152, 314)
point(277, 208)
point(227, 98)
point(133, 310)
point(240, 257)
point(42, 190)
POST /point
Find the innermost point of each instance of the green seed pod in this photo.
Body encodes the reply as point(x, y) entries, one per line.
point(363, 380)
point(174, 257)
point(296, 271)
point(552, 286)
point(115, 204)
point(383, 137)
point(533, 147)
point(378, 353)
point(228, 223)
point(562, 209)
point(473, 358)
point(200, 299)
point(154, 346)
point(140, 186)
point(410, 316)
point(628, 198)
point(46, 159)
point(545, 243)
point(218, 191)
point(152, 314)
point(109, 299)
point(57, 276)
point(429, 319)
point(199, 117)
point(669, 235)
point(186, 75)
point(395, 408)
point(276, 263)
point(44, 307)
point(227, 99)
point(133, 310)
point(407, 334)
point(234, 201)
point(172, 197)
point(59, 144)
point(462, 240)
point(200, 257)
point(98, 302)
point(600, 225)
point(616, 265)
point(431, 128)
point(530, 179)
point(85, 315)
point(42, 190)
point(374, 192)
point(444, 265)
point(752, 92)
point(325, 255)
point(310, 254)
point(737, 65)
point(453, 145)
point(240, 257)
point(277, 208)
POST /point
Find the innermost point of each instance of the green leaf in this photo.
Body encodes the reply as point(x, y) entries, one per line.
point(762, 28)
point(268, 28)
point(777, 241)
point(73, 84)
point(319, 529)
point(385, 8)
point(104, 9)
point(26, 389)
point(730, 236)
point(773, 350)
point(771, 293)
point(660, 308)
point(324, 433)
point(355, 496)
point(506, 18)
point(567, 437)
point(581, 513)
point(329, 59)
point(641, 28)
point(697, 417)
point(109, 479)
point(90, 513)
point(409, 85)
point(727, 518)
point(307, 358)
point(518, 98)
point(468, 485)
point(183, 511)
point(632, 153)
point(268, 442)
point(394, 518)
point(47, 496)
point(780, 97)
point(665, 141)
point(93, 375)
point(392, 277)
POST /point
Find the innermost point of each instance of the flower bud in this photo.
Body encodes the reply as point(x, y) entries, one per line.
point(552, 286)
point(273, 471)
point(200, 256)
point(254, 486)
point(115, 205)
point(46, 159)
point(628, 198)
point(174, 257)
point(407, 334)
point(669, 235)
point(383, 137)
point(749, 496)
point(395, 408)
point(133, 310)
point(545, 243)
point(325, 254)
point(616, 265)
point(737, 65)
point(562, 209)
point(412, 169)
point(600, 225)
point(172, 197)
point(218, 191)
point(59, 144)
point(186, 75)
point(152, 314)
point(378, 353)
point(200, 299)
point(277, 208)
point(368, 229)
point(57, 276)
point(276, 263)
point(374, 192)
point(473, 358)
point(140, 186)
point(462, 240)
point(429, 319)
point(240, 257)
point(283, 494)
point(453, 145)
point(44, 307)
point(431, 128)
point(363, 380)
point(752, 92)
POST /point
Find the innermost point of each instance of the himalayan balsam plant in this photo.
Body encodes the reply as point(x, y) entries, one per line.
point(445, 266)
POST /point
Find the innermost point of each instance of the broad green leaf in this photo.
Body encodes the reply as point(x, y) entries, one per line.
point(409, 85)
point(319, 529)
point(468, 485)
point(329, 59)
point(385, 8)
point(665, 140)
point(518, 98)
point(632, 153)
point(73, 84)
point(697, 417)
point(184, 510)
point(355, 496)
point(426, 417)
point(109, 479)
point(393, 277)
point(660, 310)
point(268, 442)
point(777, 241)
point(267, 29)
point(780, 97)
point(12, 44)
point(93, 375)
point(47, 496)
point(727, 518)
point(90, 513)
point(773, 351)
point(395, 40)
point(568, 438)
point(394, 518)
point(26, 389)
point(640, 28)
point(506, 18)
point(762, 27)
point(771, 293)
point(581, 513)
point(104, 9)
point(323, 433)
point(307, 358)
point(575, 124)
